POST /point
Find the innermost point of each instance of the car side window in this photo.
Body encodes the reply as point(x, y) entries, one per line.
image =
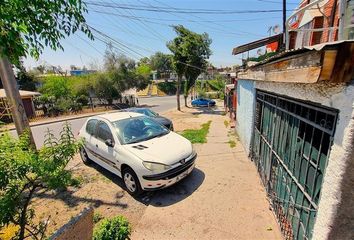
point(91, 126)
point(103, 132)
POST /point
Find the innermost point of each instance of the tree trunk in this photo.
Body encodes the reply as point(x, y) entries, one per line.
point(14, 99)
point(23, 218)
point(178, 92)
point(185, 100)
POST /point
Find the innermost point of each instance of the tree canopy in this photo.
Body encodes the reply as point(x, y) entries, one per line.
point(27, 26)
point(190, 52)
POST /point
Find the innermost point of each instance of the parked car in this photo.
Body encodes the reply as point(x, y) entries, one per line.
point(145, 154)
point(203, 102)
point(148, 112)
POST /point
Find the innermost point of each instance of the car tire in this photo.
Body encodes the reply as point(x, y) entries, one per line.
point(84, 157)
point(131, 182)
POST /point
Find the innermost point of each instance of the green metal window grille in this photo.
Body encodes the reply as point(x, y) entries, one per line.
point(291, 146)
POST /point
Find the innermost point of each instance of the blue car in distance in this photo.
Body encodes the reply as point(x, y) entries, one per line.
point(203, 102)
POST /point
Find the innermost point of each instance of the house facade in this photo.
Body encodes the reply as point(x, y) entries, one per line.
point(295, 120)
point(27, 100)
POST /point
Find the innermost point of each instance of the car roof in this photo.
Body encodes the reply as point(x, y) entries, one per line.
point(112, 117)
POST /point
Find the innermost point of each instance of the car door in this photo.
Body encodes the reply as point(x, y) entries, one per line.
point(89, 138)
point(106, 154)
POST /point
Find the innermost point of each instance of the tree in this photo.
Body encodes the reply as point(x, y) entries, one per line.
point(24, 172)
point(161, 62)
point(198, 50)
point(57, 87)
point(178, 58)
point(105, 89)
point(26, 81)
point(190, 51)
point(114, 60)
point(27, 26)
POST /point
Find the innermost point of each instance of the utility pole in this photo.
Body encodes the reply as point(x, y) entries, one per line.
point(284, 24)
point(14, 99)
point(342, 8)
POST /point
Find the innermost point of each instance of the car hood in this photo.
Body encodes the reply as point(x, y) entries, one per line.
point(168, 149)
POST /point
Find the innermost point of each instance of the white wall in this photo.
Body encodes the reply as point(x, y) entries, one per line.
point(245, 112)
point(341, 97)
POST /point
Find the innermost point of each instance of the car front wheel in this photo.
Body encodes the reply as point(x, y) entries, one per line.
point(84, 156)
point(131, 182)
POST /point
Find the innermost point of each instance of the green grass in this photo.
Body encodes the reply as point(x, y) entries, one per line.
point(232, 143)
point(197, 135)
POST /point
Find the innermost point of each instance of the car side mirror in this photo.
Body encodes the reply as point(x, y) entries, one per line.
point(109, 143)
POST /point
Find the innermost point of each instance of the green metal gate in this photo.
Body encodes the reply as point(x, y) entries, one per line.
point(291, 145)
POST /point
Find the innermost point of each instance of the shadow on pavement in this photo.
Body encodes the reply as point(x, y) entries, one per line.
point(206, 110)
point(179, 191)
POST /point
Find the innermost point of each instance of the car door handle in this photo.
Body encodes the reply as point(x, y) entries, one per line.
point(96, 145)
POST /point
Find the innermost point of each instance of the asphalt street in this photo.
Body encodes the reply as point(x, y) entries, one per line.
point(158, 104)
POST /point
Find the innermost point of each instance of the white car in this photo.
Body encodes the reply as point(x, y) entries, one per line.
point(144, 153)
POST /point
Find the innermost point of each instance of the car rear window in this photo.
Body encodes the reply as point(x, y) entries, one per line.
point(91, 126)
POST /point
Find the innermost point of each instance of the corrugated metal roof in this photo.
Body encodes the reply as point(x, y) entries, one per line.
point(22, 93)
point(257, 44)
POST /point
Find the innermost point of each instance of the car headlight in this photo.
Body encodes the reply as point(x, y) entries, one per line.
point(156, 166)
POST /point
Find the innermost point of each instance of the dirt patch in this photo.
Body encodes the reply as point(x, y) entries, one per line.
point(99, 189)
point(190, 118)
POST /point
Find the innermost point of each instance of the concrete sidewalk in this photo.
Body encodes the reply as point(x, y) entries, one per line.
point(222, 198)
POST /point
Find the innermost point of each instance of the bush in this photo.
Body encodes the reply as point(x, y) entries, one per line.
point(117, 228)
point(167, 87)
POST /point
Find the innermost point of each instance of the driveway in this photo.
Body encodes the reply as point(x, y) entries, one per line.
point(222, 198)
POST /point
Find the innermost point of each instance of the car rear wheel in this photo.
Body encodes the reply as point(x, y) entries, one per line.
point(131, 182)
point(84, 156)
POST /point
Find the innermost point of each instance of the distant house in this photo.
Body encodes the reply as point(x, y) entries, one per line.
point(27, 100)
point(81, 72)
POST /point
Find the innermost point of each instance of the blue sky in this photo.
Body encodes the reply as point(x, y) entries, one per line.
point(146, 32)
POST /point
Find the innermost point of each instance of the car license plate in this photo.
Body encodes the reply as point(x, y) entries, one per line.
point(183, 175)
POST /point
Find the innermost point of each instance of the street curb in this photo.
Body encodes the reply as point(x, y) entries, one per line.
point(59, 120)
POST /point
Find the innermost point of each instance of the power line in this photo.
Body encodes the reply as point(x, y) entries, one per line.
point(179, 10)
point(216, 24)
point(187, 20)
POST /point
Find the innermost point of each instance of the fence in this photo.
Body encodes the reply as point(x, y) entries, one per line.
point(291, 145)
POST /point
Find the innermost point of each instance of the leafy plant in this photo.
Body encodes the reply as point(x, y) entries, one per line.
point(197, 135)
point(116, 228)
point(27, 26)
point(97, 217)
point(24, 171)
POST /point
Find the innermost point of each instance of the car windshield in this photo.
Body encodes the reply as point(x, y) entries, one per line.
point(146, 112)
point(138, 129)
